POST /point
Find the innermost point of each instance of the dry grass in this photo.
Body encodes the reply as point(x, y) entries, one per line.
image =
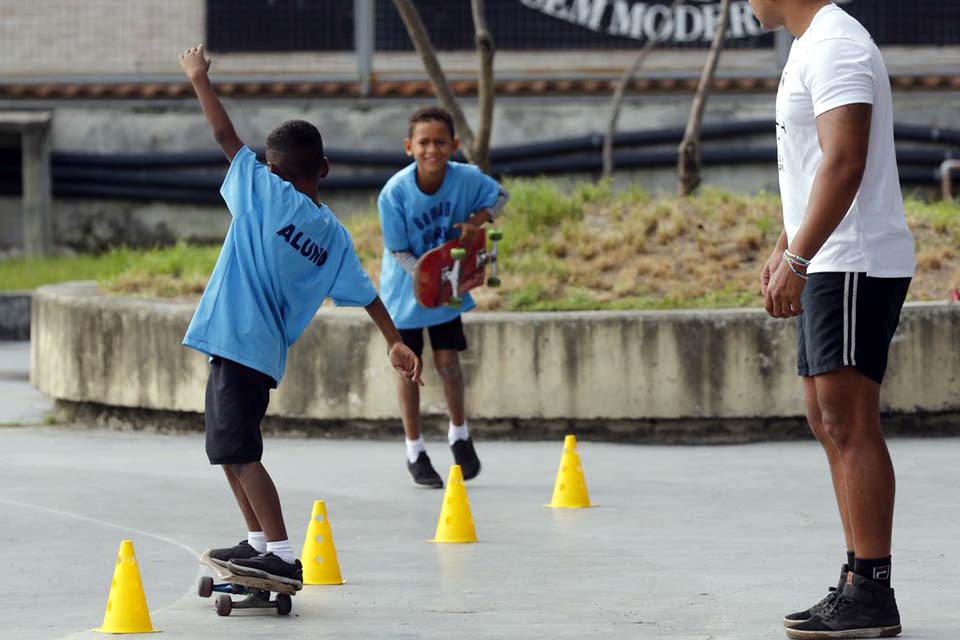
point(593, 249)
point(589, 248)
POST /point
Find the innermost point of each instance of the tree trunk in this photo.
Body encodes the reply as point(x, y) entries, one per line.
point(616, 102)
point(421, 42)
point(688, 155)
point(485, 86)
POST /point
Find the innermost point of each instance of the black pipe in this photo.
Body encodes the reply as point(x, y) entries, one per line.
point(204, 189)
point(211, 180)
point(548, 149)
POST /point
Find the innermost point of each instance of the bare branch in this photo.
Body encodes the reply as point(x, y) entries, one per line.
point(688, 155)
point(421, 42)
point(616, 102)
point(485, 85)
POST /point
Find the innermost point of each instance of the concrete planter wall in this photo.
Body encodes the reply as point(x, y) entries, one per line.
point(627, 368)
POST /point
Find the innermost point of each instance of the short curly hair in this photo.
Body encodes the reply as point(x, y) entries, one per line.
point(431, 114)
point(296, 149)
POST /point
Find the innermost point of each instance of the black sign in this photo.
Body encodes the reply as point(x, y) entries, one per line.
point(327, 25)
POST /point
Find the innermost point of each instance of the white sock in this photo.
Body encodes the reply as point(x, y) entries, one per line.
point(414, 447)
point(257, 540)
point(457, 433)
point(282, 549)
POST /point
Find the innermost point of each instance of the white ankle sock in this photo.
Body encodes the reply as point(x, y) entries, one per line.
point(257, 540)
point(282, 549)
point(414, 447)
point(457, 433)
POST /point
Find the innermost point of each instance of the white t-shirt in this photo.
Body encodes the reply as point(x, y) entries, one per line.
point(836, 63)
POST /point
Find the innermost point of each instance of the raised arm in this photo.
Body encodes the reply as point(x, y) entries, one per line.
point(195, 64)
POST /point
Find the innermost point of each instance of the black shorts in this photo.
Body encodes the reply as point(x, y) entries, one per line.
point(237, 398)
point(446, 336)
point(848, 320)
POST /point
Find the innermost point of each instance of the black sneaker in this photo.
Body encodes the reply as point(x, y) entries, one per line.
point(423, 472)
point(794, 619)
point(466, 456)
point(269, 567)
point(865, 609)
point(222, 556)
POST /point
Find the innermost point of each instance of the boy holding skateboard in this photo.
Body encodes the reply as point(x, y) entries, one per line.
point(431, 201)
point(284, 253)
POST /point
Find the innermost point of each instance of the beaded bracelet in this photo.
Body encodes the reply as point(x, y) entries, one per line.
point(796, 272)
point(792, 257)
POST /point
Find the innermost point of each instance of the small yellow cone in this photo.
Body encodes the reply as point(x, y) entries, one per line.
point(456, 522)
point(319, 556)
point(570, 489)
point(127, 605)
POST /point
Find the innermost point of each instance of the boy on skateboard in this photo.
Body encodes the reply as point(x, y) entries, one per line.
point(431, 201)
point(284, 253)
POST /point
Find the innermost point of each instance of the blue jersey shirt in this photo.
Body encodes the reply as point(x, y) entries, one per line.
point(282, 256)
point(416, 222)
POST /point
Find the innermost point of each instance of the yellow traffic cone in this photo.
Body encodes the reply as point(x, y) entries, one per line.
point(319, 556)
point(127, 605)
point(570, 489)
point(456, 523)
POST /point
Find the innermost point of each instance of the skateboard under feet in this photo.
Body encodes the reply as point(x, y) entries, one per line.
point(256, 591)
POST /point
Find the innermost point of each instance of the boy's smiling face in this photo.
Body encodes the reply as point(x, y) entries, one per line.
point(431, 146)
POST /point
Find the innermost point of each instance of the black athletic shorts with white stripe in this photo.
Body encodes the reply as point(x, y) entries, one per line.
point(848, 320)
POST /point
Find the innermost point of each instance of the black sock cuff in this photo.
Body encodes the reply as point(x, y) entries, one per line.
point(874, 569)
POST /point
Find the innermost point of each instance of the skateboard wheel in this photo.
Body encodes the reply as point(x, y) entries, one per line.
point(496, 235)
point(455, 302)
point(284, 604)
point(224, 605)
point(458, 253)
point(493, 281)
point(205, 588)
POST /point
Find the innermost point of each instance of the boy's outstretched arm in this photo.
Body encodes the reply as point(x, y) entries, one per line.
point(195, 64)
point(401, 357)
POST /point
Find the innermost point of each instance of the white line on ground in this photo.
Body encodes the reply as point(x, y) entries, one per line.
point(189, 593)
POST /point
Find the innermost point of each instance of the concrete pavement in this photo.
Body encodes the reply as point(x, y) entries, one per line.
point(687, 543)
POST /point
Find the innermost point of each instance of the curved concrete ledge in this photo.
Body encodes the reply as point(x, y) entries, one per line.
point(629, 371)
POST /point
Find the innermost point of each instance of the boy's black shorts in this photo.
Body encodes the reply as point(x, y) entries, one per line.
point(848, 320)
point(237, 398)
point(448, 335)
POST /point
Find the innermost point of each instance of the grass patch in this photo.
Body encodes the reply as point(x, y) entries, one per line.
point(567, 247)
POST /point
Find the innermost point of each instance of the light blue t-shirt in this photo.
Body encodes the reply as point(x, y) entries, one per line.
point(282, 256)
point(416, 222)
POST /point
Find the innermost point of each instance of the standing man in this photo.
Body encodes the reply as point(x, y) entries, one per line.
point(842, 266)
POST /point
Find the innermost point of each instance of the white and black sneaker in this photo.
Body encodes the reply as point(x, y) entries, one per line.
point(423, 472)
point(865, 609)
point(794, 619)
point(241, 550)
point(269, 566)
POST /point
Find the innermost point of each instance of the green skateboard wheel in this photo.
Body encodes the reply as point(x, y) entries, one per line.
point(496, 235)
point(458, 254)
point(493, 281)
